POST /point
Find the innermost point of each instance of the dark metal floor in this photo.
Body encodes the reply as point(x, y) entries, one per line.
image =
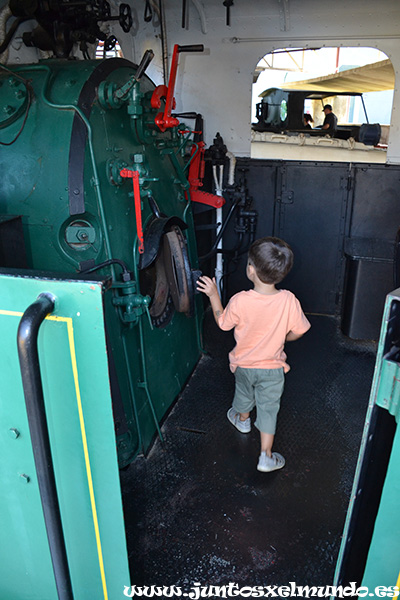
point(196, 508)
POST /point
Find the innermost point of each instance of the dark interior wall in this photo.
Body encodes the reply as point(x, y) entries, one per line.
point(340, 219)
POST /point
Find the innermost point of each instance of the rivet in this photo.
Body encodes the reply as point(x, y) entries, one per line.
point(14, 433)
point(25, 478)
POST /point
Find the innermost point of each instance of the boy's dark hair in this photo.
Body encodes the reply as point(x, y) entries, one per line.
point(272, 259)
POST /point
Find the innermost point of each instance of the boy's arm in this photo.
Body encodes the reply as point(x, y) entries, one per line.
point(209, 287)
point(298, 322)
point(216, 306)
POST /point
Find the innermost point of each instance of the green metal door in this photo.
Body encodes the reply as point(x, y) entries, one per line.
point(74, 370)
point(370, 550)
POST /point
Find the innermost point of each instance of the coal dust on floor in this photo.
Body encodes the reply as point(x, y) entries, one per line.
point(196, 508)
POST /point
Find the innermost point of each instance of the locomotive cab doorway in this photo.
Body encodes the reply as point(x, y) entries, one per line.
point(290, 84)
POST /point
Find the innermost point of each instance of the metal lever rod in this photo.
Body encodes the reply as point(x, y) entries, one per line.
point(144, 63)
point(27, 337)
point(122, 92)
point(138, 205)
point(167, 120)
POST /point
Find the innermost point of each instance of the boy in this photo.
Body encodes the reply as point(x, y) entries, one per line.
point(263, 319)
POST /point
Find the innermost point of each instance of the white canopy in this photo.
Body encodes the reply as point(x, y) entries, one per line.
point(374, 77)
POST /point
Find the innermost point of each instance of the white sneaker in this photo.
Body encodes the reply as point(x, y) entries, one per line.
point(234, 418)
point(270, 463)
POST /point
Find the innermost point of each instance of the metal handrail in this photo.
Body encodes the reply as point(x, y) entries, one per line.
point(27, 338)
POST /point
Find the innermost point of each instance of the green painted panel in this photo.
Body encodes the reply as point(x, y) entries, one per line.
point(383, 562)
point(78, 405)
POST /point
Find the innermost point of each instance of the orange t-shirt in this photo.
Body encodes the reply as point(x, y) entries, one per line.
point(261, 323)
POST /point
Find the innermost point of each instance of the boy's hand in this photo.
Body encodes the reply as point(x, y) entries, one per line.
point(207, 286)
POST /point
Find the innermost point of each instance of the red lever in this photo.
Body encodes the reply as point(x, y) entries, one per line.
point(138, 208)
point(163, 121)
point(195, 178)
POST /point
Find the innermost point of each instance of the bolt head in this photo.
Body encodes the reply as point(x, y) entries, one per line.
point(13, 433)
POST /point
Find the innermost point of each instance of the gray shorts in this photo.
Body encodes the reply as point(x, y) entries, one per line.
point(261, 388)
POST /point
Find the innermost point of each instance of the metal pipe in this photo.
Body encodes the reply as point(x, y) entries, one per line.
point(219, 266)
point(27, 337)
point(365, 110)
point(214, 250)
point(164, 43)
point(132, 392)
point(202, 15)
point(144, 384)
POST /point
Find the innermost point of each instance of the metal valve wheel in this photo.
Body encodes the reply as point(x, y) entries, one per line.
point(168, 281)
point(177, 269)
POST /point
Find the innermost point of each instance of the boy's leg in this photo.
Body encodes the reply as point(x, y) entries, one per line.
point(243, 401)
point(267, 441)
point(268, 392)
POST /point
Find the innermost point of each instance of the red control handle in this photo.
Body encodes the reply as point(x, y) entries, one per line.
point(164, 120)
point(138, 204)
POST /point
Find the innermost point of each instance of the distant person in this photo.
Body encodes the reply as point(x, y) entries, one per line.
point(330, 121)
point(263, 319)
point(307, 120)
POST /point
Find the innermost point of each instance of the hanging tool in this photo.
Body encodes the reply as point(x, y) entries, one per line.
point(228, 4)
point(148, 13)
point(184, 6)
point(165, 120)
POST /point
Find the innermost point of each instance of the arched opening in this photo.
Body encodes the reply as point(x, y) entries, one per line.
point(109, 50)
point(290, 83)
